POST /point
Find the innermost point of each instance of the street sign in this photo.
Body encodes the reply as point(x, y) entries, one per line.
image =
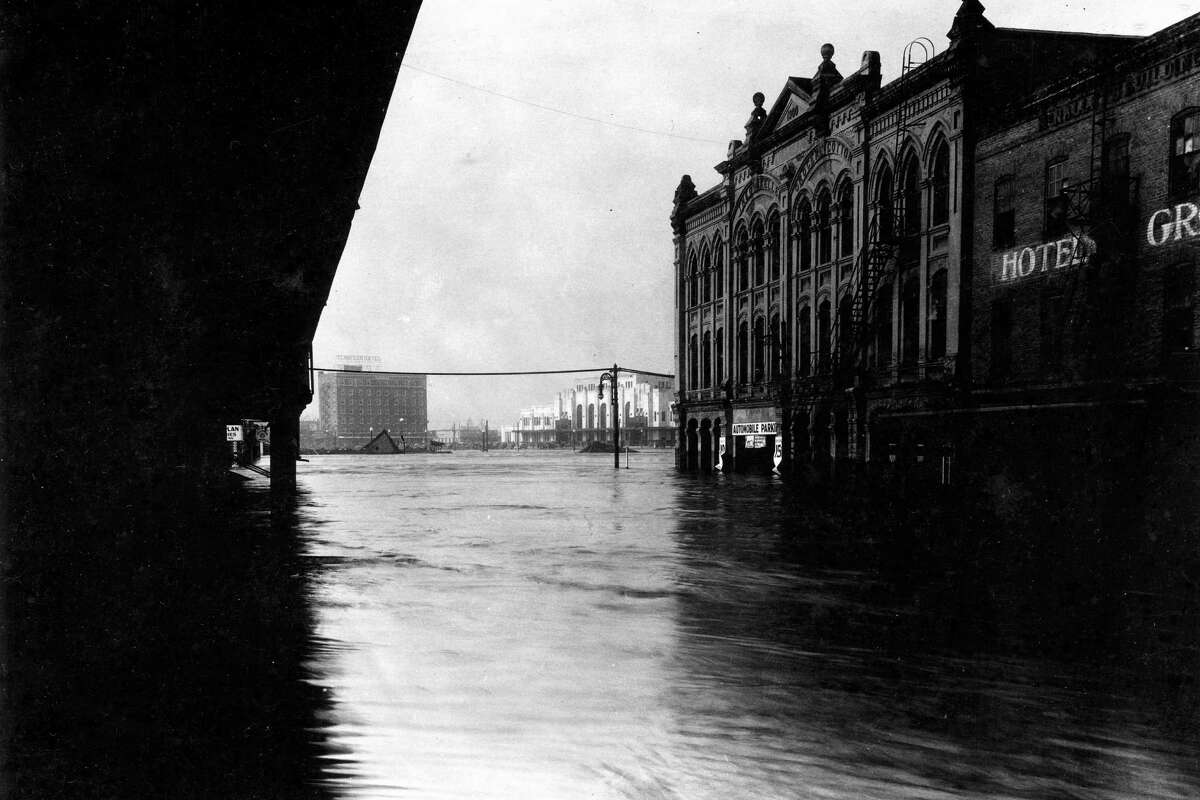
point(233, 433)
point(756, 441)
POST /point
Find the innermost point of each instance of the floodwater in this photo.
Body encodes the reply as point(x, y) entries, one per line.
point(538, 625)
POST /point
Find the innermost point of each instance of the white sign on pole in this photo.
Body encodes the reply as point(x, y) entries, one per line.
point(233, 433)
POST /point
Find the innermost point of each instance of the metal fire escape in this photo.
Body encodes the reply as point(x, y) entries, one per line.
point(1100, 216)
point(845, 367)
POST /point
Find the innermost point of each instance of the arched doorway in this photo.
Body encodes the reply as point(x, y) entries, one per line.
point(706, 451)
point(691, 446)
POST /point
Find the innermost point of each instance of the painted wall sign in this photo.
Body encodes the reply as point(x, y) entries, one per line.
point(1173, 224)
point(1049, 257)
point(1130, 85)
point(754, 428)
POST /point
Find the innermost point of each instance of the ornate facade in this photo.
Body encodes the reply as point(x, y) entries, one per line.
point(824, 285)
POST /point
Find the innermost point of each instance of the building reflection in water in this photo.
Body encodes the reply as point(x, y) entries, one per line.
point(159, 650)
point(811, 651)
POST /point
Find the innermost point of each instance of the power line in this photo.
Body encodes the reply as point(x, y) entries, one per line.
point(559, 110)
point(493, 374)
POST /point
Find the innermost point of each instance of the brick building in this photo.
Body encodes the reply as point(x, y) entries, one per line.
point(1088, 232)
point(354, 406)
point(839, 292)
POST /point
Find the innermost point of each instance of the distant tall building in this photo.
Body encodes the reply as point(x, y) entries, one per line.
point(355, 406)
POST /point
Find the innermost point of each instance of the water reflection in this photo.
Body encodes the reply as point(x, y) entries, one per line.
point(535, 625)
point(542, 626)
point(160, 649)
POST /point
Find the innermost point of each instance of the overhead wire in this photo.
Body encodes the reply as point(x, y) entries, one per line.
point(494, 374)
point(561, 111)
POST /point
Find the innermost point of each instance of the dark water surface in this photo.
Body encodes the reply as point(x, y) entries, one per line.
point(531, 625)
point(539, 625)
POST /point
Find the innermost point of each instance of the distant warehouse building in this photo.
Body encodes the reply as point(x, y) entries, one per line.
point(354, 406)
point(1009, 223)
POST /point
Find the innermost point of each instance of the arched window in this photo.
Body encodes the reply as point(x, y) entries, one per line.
point(846, 220)
point(693, 363)
point(706, 272)
point(824, 229)
point(693, 282)
point(845, 340)
point(773, 246)
point(719, 267)
point(775, 347)
point(743, 354)
point(940, 211)
point(804, 323)
point(760, 341)
point(823, 322)
point(706, 360)
point(885, 204)
point(910, 322)
point(782, 333)
point(591, 415)
point(937, 315)
point(1185, 153)
point(804, 229)
point(625, 414)
point(742, 255)
point(883, 327)
point(719, 346)
point(603, 416)
point(579, 416)
point(910, 196)
point(757, 242)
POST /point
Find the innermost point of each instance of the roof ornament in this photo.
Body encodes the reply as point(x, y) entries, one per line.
point(756, 116)
point(969, 22)
point(827, 72)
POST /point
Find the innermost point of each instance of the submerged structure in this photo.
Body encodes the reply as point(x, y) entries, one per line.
point(1002, 239)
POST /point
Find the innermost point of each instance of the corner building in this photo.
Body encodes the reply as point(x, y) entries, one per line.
point(1085, 266)
point(824, 306)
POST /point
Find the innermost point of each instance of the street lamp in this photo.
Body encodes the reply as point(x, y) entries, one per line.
point(611, 377)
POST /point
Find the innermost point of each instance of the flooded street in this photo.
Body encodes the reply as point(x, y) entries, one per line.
point(539, 625)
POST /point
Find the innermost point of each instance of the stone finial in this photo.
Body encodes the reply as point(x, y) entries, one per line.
point(969, 22)
point(827, 72)
point(685, 192)
point(756, 116)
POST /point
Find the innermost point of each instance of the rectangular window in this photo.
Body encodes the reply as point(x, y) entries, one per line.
point(1114, 177)
point(1185, 153)
point(1053, 310)
point(1056, 199)
point(1179, 317)
point(1004, 220)
point(1001, 336)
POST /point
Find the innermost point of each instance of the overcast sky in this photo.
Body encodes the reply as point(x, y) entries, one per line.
point(500, 230)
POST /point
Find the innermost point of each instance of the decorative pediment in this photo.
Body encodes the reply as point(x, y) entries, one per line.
point(795, 99)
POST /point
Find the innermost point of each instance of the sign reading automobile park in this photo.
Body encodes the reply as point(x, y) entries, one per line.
point(755, 428)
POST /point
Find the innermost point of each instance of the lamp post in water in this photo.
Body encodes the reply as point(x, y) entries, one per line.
point(611, 377)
